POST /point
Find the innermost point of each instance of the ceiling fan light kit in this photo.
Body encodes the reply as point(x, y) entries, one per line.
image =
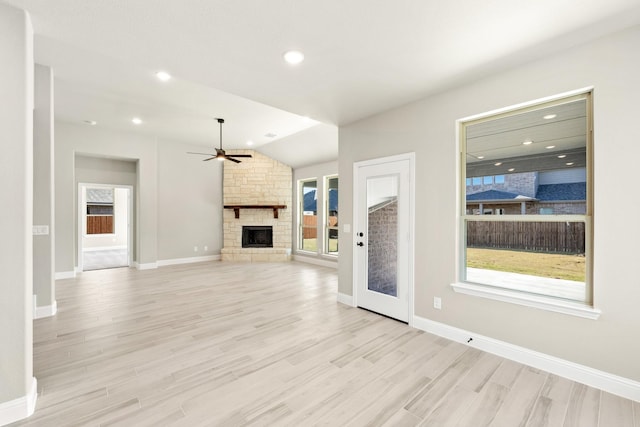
point(220, 154)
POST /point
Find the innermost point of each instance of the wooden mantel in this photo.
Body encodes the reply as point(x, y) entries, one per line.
point(236, 208)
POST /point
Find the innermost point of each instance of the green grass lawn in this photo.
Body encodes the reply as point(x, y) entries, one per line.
point(312, 245)
point(568, 267)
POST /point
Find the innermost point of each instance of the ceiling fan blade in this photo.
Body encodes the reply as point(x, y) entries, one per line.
point(204, 154)
point(210, 158)
point(233, 160)
point(238, 155)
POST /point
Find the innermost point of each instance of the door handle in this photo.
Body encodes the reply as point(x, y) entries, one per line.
point(360, 244)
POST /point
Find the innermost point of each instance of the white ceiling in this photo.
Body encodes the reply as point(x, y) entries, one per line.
point(362, 57)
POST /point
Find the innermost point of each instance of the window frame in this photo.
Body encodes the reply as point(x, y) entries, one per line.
point(301, 211)
point(326, 229)
point(584, 308)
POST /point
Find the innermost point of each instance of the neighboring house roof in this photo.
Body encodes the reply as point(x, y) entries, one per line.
point(310, 200)
point(100, 195)
point(495, 195)
point(576, 191)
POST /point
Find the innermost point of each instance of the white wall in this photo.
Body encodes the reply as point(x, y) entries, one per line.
point(428, 128)
point(318, 144)
point(43, 192)
point(189, 202)
point(16, 191)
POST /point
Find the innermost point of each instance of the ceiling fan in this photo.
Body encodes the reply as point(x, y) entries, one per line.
point(220, 153)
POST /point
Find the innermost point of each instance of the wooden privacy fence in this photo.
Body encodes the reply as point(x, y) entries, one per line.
point(310, 225)
point(550, 237)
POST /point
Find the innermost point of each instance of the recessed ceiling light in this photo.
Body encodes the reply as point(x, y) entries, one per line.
point(549, 147)
point(562, 156)
point(528, 142)
point(569, 163)
point(293, 57)
point(136, 120)
point(481, 157)
point(249, 142)
point(90, 122)
point(511, 169)
point(550, 116)
point(163, 76)
point(497, 164)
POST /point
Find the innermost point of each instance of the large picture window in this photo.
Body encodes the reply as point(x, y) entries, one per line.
point(528, 232)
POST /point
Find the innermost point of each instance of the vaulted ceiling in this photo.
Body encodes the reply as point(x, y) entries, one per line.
point(361, 57)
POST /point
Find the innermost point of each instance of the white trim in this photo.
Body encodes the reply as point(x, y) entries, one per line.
point(315, 261)
point(46, 310)
point(146, 266)
point(583, 374)
point(61, 275)
point(175, 261)
point(103, 248)
point(528, 300)
point(20, 408)
point(521, 105)
point(346, 299)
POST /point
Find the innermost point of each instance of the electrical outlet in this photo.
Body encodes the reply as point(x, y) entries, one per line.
point(195, 249)
point(437, 303)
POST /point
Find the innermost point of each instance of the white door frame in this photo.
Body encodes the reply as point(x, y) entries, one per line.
point(82, 211)
point(411, 157)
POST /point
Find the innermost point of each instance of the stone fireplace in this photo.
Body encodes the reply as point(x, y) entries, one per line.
point(257, 199)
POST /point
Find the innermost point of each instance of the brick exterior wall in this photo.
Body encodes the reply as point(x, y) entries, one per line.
point(257, 181)
point(383, 251)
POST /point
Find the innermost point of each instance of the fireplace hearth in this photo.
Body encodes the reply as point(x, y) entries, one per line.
point(257, 236)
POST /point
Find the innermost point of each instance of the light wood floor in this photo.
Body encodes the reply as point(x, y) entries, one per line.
point(225, 344)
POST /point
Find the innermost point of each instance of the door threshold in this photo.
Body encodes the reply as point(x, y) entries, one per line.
point(383, 315)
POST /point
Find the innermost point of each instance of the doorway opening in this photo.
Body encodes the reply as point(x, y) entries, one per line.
point(104, 226)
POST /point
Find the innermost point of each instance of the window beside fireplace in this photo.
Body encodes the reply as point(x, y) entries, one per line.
point(257, 236)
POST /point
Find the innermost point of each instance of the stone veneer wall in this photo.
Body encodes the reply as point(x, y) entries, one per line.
point(257, 181)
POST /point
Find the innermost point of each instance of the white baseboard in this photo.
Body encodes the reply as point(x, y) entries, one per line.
point(103, 248)
point(20, 408)
point(165, 262)
point(345, 299)
point(583, 374)
point(65, 275)
point(316, 261)
point(146, 266)
point(46, 311)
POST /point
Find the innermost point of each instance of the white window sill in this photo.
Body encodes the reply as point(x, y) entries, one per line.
point(528, 300)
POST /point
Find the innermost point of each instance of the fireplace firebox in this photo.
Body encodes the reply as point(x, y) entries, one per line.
point(257, 236)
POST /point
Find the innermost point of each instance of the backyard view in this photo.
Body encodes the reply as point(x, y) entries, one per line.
point(557, 266)
point(312, 245)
